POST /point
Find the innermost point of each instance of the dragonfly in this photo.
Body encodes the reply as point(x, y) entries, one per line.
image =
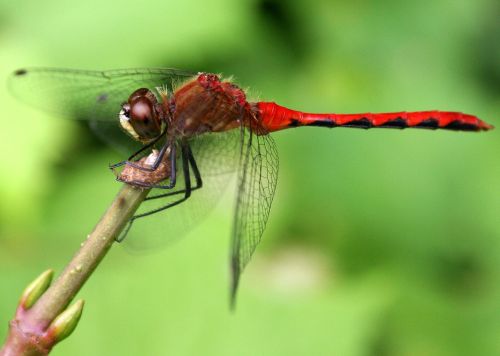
point(199, 128)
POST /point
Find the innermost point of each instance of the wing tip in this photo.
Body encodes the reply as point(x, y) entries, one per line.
point(14, 83)
point(20, 72)
point(232, 301)
point(235, 278)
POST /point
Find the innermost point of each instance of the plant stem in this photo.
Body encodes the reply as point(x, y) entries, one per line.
point(88, 257)
point(29, 328)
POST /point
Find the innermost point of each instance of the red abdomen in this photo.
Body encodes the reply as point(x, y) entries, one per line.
point(275, 117)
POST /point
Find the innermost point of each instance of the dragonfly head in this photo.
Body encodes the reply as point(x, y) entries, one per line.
point(140, 116)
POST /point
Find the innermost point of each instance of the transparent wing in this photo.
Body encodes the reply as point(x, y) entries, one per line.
point(217, 157)
point(87, 95)
point(257, 178)
point(112, 134)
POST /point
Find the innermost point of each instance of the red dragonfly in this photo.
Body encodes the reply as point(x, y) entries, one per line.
point(204, 128)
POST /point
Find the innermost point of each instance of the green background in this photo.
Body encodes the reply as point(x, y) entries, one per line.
point(380, 242)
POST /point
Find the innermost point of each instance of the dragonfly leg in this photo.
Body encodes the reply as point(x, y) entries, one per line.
point(157, 161)
point(149, 145)
point(186, 191)
point(173, 172)
point(197, 176)
point(194, 166)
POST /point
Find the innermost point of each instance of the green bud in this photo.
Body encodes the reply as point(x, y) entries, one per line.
point(64, 324)
point(36, 288)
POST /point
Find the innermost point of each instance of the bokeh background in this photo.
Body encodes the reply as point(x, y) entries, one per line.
point(380, 242)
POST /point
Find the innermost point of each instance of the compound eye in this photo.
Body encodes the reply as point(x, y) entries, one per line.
point(140, 93)
point(142, 120)
point(141, 110)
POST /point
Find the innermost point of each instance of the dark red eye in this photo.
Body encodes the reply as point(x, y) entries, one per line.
point(143, 92)
point(143, 117)
point(141, 110)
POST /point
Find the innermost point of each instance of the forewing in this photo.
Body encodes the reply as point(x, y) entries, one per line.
point(112, 134)
point(87, 95)
point(257, 178)
point(217, 157)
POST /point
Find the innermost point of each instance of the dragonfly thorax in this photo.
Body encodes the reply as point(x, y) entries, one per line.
point(141, 116)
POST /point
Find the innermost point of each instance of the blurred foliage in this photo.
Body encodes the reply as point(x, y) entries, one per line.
point(379, 242)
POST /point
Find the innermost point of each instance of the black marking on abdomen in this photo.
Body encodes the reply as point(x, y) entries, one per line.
point(294, 123)
point(362, 123)
point(428, 124)
point(457, 125)
point(323, 123)
point(397, 123)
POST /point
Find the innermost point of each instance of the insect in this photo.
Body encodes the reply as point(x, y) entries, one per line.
point(199, 127)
